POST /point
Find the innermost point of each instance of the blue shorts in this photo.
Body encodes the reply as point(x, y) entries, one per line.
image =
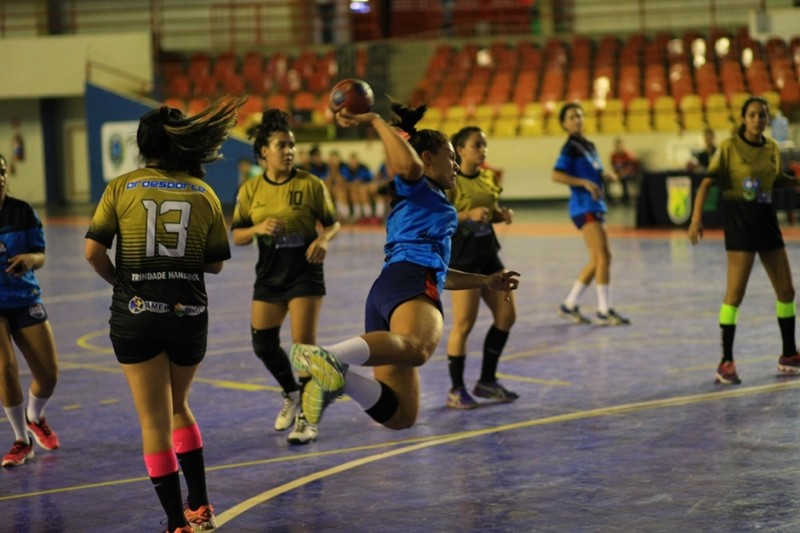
point(582, 220)
point(22, 317)
point(398, 283)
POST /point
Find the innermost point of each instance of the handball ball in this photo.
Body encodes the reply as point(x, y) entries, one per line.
point(351, 94)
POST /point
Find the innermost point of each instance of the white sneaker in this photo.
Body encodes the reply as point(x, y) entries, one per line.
point(303, 432)
point(287, 414)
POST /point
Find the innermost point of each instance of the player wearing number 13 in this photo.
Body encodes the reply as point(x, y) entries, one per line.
point(170, 230)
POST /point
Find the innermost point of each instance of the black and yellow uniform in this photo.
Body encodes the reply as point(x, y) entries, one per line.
point(746, 174)
point(169, 225)
point(282, 271)
point(475, 245)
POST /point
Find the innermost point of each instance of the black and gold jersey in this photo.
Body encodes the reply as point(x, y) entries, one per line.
point(475, 239)
point(168, 225)
point(746, 171)
point(299, 203)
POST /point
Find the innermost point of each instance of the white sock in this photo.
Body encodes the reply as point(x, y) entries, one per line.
point(365, 209)
point(16, 416)
point(380, 209)
point(36, 407)
point(363, 390)
point(575, 294)
point(603, 299)
point(354, 351)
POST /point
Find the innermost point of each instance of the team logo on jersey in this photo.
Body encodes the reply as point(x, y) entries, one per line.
point(751, 187)
point(679, 199)
point(189, 310)
point(37, 311)
point(137, 305)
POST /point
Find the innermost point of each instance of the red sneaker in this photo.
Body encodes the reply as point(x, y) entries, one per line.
point(726, 374)
point(20, 452)
point(45, 437)
point(790, 364)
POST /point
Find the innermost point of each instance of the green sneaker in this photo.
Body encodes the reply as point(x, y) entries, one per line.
point(325, 369)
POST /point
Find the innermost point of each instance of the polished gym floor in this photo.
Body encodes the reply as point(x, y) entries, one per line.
point(616, 429)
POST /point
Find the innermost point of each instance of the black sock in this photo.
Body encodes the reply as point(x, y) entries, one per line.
point(492, 348)
point(194, 471)
point(386, 406)
point(280, 367)
point(168, 489)
point(455, 364)
point(728, 333)
point(787, 334)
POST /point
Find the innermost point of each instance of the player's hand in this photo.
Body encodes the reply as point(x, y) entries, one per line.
point(695, 231)
point(506, 215)
point(346, 119)
point(478, 214)
point(270, 226)
point(505, 281)
point(19, 265)
point(316, 252)
point(593, 189)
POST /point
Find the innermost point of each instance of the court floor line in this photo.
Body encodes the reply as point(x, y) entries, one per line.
point(418, 443)
point(248, 504)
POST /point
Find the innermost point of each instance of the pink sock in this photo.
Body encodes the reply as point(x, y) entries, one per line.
point(161, 463)
point(187, 439)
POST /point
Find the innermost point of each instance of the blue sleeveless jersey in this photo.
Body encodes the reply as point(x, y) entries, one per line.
point(579, 159)
point(419, 226)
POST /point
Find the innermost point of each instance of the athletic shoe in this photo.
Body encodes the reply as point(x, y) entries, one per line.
point(494, 391)
point(201, 519)
point(460, 399)
point(323, 366)
point(45, 437)
point(285, 417)
point(303, 432)
point(611, 319)
point(573, 315)
point(20, 452)
point(726, 374)
point(789, 365)
point(315, 401)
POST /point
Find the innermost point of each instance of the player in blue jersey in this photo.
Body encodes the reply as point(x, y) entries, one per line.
point(579, 166)
point(23, 318)
point(404, 316)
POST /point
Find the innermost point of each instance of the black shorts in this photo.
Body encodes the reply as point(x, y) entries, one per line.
point(181, 351)
point(22, 317)
point(487, 264)
point(750, 227)
point(398, 283)
point(311, 282)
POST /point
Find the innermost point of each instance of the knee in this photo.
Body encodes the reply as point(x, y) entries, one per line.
point(266, 342)
point(418, 351)
point(462, 329)
point(786, 294)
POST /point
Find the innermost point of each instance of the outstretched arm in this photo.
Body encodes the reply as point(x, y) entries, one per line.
point(505, 281)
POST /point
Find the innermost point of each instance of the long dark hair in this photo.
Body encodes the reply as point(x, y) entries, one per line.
point(272, 120)
point(180, 143)
point(461, 137)
point(420, 140)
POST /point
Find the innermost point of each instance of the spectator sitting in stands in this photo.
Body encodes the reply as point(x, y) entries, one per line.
point(700, 160)
point(626, 166)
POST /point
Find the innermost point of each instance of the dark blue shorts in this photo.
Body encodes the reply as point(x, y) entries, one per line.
point(22, 317)
point(181, 351)
point(398, 283)
point(582, 220)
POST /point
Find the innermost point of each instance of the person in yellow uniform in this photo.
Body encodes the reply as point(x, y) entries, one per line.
point(280, 211)
point(475, 249)
point(747, 167)
point(170, 232)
